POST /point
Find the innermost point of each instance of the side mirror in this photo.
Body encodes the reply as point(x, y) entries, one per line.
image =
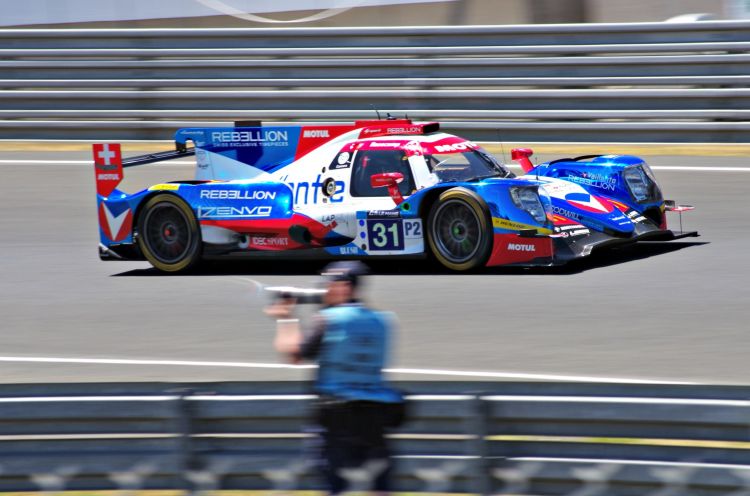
point(521, 155)
point(389, 180)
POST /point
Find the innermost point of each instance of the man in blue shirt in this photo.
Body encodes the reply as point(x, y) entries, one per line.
point(350, 343)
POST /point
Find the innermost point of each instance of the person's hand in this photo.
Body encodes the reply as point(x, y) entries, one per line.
point(280, 309)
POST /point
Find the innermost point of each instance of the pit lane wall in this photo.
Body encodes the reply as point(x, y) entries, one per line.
point(482, 437)
point(637, 82)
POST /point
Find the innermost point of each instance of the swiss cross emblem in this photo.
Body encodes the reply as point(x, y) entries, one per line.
point(107, 167)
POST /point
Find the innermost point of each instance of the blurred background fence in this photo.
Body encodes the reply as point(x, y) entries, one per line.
point(646, 82)
point(489, 438)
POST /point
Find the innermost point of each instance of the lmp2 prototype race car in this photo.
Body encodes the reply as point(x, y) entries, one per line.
point(372, 189)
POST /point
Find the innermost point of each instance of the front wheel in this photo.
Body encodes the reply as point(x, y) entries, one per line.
point(459, 230)
point(168, 234)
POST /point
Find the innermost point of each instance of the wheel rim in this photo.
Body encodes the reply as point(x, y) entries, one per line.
point(167, 233)
point(457, 231)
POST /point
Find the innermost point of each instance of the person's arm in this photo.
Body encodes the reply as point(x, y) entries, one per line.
point(289, 336)
point(290, 340)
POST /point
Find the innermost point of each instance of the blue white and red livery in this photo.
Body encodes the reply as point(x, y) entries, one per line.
point(381, 188)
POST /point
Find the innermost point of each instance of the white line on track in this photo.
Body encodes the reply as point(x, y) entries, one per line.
point(405, 371)
point(77, 162)
point(183, 163)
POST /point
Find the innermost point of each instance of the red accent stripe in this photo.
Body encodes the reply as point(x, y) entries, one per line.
point(513, 249)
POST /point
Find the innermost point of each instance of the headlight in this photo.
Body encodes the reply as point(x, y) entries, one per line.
point(528, 199)
point(641, 183)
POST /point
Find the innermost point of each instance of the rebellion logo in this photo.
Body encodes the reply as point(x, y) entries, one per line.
point(520, 247)
point(234, 194)
point(261, 135)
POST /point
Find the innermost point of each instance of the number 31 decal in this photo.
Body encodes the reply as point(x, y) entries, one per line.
point(385, 234)
point(391, 234)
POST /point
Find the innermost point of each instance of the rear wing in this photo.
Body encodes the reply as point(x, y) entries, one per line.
point(109, 164)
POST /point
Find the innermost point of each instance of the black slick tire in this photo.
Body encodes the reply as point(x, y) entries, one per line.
point(169, 235)
point(459, 230)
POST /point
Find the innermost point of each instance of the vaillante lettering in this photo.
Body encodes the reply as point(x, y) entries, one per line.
point(595, 180)
point(260, 135)
point(234, 194)
point(212, 212)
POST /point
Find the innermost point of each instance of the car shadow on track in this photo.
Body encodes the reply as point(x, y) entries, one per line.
point(596, 260)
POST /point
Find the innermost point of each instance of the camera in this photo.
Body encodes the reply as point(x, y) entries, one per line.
point(302, 296)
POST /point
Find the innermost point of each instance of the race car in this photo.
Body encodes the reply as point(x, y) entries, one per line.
point(374, 188)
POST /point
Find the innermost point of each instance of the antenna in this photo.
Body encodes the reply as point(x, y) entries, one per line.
point(502, 148)
point(376, 110)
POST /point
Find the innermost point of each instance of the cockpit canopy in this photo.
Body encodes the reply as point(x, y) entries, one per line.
point(422, 163)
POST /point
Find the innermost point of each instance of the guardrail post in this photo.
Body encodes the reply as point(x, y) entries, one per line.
point(186, 458)
point(479, 428)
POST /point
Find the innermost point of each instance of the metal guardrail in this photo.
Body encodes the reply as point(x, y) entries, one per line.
point(441, 50)
point(501, 438)
point(550, 34)
point(691, 78)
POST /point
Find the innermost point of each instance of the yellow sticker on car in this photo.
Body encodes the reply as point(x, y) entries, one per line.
point(499, 223)
point(164, 187)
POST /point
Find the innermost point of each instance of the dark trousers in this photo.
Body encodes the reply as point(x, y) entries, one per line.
point(353, 434)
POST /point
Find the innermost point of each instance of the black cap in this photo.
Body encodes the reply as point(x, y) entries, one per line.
point(349, 270)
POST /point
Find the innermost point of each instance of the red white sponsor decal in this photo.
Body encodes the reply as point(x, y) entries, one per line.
point(107, 167)
point(417, 147)
point(589, 203)
point(115, 227)
point(513, 249)
point(312, 137)
point(449, 145)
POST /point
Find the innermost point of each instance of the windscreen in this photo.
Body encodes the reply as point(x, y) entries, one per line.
point(469, 165)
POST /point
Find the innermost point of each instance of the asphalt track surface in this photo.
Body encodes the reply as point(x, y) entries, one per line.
point(674, 312)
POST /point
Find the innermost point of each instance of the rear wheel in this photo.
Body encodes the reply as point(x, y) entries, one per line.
point(459, 230)
point(168, 234)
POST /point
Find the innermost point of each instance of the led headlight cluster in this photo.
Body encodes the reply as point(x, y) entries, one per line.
point(528, 199)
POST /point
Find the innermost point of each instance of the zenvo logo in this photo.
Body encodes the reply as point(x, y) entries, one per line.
point(235, 194)
point(233, 212)
point(259, 135)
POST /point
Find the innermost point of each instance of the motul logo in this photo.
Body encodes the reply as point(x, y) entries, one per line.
point(316, 133)
point(520, 247)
